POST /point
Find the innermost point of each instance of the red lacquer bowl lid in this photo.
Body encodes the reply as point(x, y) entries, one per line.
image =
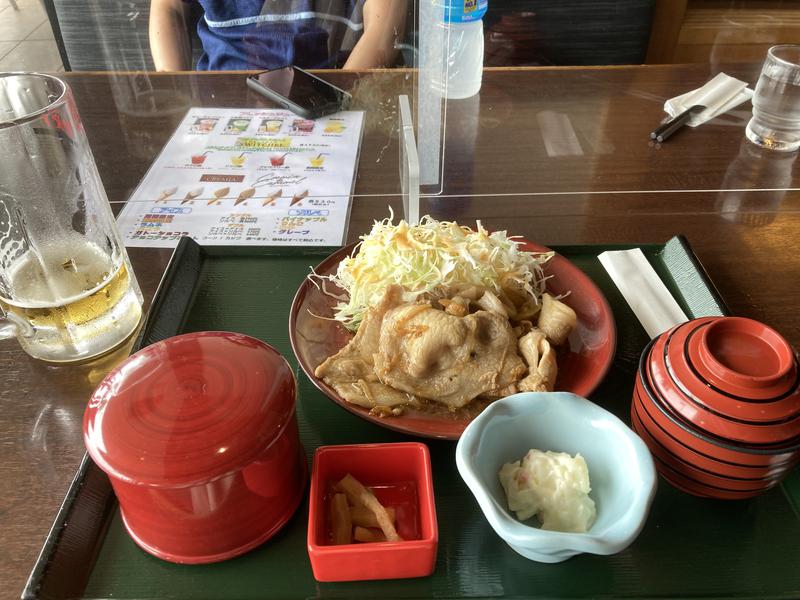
point(660, 389)
point(676, 349)
point(189, 409)
point(744, 358)
point(709, 409)
point(757, 401)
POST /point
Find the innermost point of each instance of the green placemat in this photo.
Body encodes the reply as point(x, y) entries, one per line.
point(690, 547)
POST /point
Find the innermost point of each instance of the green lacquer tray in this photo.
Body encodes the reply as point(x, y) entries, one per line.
point(690, 547)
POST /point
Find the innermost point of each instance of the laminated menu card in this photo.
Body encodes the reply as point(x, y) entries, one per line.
point(248, 177)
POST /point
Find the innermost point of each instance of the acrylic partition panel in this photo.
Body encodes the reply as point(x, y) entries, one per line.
point(148, 93)
point(570, 90)
point(433, 46)
point(409, 164)
point(570, 94)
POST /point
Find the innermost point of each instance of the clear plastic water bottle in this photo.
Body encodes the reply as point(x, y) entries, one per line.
point(462, 25)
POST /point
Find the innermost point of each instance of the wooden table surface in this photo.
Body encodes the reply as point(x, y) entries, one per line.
point(560, 156)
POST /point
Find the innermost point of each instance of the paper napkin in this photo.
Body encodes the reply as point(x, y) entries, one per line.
point(719, 95)
point(643, 290)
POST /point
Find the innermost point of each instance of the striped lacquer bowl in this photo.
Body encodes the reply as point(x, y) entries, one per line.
point(717, 401)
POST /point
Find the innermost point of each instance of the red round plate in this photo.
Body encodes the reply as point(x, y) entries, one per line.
point(581, 367)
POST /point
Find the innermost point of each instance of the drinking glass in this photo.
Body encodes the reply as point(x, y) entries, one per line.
point(776, 102)
point(67, 291)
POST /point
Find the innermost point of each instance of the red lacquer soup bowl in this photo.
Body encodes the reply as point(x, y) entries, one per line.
point(708, 476)
point(705, 440)
point(198, 436)
point(663, 440)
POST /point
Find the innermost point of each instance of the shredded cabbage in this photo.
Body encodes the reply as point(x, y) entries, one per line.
point(428, 260)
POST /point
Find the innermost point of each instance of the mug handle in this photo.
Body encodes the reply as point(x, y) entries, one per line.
point(7, 329)
point(12, 326)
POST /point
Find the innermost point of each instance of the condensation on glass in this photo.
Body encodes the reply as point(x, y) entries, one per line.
point(67, 291)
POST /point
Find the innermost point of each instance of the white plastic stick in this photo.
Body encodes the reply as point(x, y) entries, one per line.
point(643, 290)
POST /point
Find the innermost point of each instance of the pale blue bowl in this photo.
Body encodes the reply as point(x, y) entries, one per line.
point(621, 470)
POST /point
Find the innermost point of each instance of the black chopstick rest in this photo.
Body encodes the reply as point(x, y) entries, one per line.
point(667, 129)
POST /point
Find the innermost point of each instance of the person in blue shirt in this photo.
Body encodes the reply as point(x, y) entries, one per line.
point(267, 34)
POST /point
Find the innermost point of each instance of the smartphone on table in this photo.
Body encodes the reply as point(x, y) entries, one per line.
point(301, 92)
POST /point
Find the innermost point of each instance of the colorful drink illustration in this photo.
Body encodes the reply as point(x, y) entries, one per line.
point(237, 125)
point(203, 125)
point(237, 161)
point(277, 160)
point(334, 127)
point(318, 160)
point(270, 125)
point(199, 159)
point(303, 125)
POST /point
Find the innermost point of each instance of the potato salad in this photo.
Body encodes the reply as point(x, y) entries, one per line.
point(553, 486)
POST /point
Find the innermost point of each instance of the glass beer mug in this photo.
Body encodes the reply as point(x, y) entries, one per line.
point(67, 291)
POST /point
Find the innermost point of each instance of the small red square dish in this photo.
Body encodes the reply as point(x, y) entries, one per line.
point(399, 475)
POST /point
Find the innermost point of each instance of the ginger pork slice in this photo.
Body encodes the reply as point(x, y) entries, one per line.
point(351, 371)
point(446, 358)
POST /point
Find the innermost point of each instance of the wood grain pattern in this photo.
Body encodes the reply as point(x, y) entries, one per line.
point(719, 31)
point(739, 33)
point(667, 21)
point(747, 240)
